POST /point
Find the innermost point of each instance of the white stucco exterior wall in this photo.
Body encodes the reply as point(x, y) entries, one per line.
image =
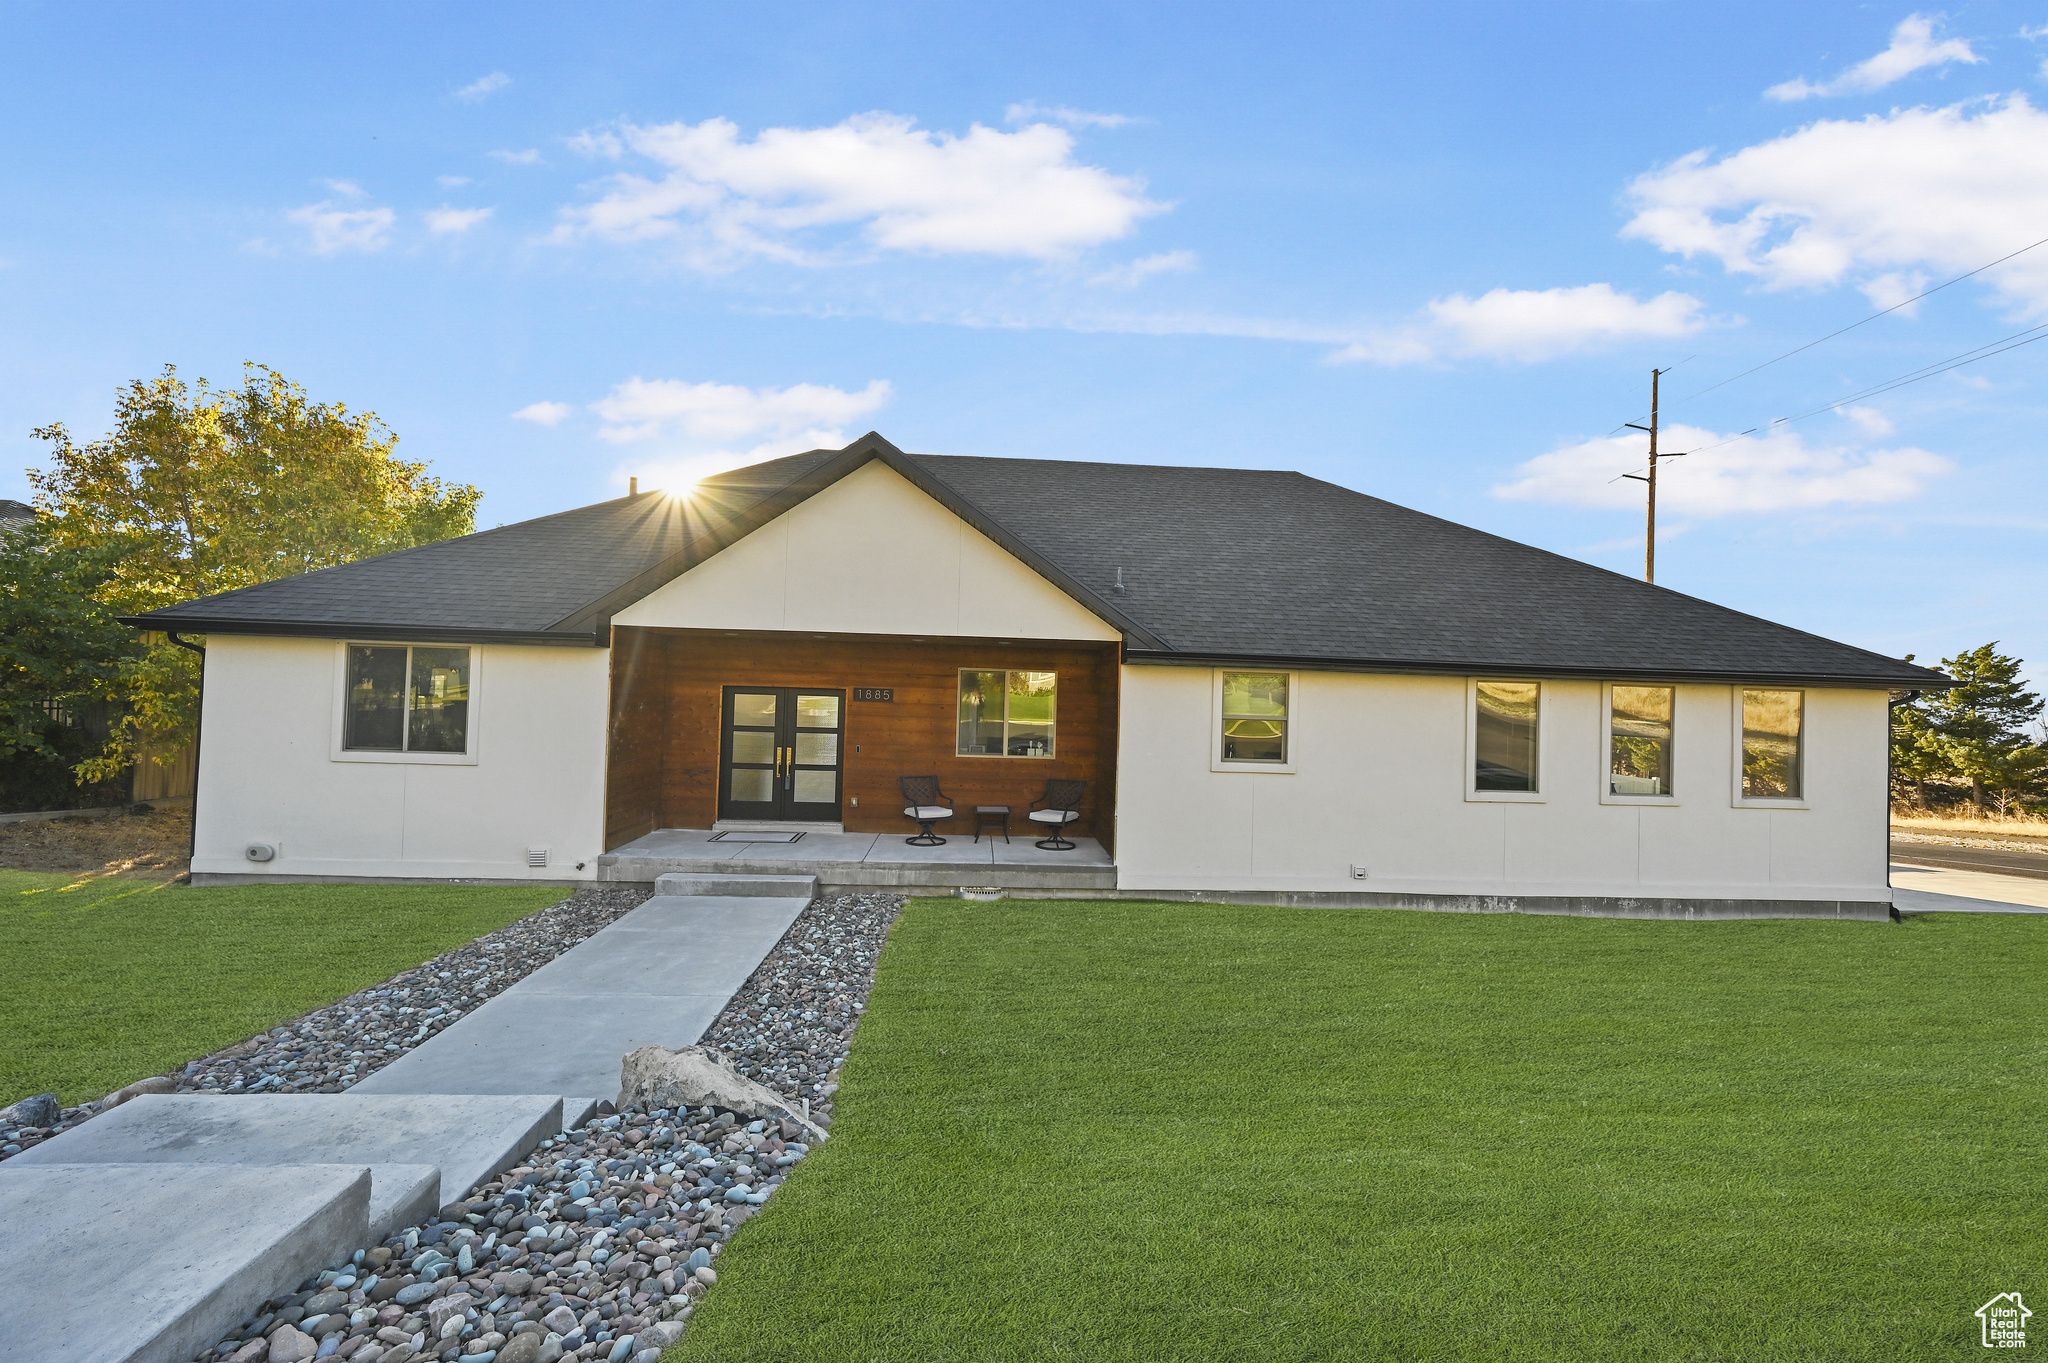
point(1379, 781)
point(871, 554)
point(268, 770)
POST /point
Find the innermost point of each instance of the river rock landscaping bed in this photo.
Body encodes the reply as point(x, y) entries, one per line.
point(330, 1048)
point(599, 1244)
point(789, 1025)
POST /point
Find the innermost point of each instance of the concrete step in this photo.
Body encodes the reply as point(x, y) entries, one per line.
point(153, 1263)
point(423, 1151)
point(726, 885)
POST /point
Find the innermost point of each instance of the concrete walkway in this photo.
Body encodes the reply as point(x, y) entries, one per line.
point(1935, 889)
point(657, 977)
point(202, 1206)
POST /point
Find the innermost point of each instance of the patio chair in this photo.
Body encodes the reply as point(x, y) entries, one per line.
point(926, 803)
point(1059, 806)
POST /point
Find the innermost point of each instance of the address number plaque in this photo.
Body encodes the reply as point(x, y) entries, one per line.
point(885, 694)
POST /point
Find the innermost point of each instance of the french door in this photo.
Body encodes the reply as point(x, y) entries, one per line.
point(781, 753)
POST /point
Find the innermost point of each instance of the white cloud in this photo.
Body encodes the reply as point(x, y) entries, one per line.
point(515, 158)
point(1870, 421)
point(1747, 474)
point(699, 429)
point(544, 413)
point(452, 181)
point(984, 192)
point(1031, 111)
point(483, 87)
point(1913, 49)
point(1944, 188)
point(598, 143)
point(1138, 271)
point(334, 229)
point(642, 409)
point(1529, 324)
point(443, 220)
point(347, 189)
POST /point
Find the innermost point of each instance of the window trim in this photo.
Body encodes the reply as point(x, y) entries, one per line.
point(1217, 762)
point(1006, 756)
point(1736, 798)
point(1606, 747)
point(339, 724)
point(1473, 794)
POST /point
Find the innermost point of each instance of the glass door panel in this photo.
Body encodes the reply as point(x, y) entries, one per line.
point(752, 754)
point(780, 755)
point(814, 756)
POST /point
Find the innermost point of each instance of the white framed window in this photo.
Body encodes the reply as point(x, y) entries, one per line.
point(1504, 722)
point(1252, 720)
point(405, 703)
point(1641, 757)
point(1008, 712)
point(1770, 747)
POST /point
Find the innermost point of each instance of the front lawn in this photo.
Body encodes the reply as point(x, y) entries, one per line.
point(103, 982)
point(1128, 1131)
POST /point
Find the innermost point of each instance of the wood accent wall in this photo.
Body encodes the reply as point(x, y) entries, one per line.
point(636, 737)
point(667, 688)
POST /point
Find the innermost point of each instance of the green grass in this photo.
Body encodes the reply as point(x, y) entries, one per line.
point(105, 982)
point(1124, 1131)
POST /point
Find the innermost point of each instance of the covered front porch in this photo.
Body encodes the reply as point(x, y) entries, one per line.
point(871, 860)
point(806, 739)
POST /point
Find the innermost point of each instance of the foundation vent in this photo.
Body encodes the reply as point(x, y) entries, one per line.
point(536, 856)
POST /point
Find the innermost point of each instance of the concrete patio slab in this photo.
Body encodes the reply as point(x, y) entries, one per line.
point(658, 976)
point(859, 861)
point(197, 1261)
point(423, 1152)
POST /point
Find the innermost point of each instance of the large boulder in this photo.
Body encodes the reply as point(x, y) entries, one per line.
point(698, 1076)
point(41, 1110)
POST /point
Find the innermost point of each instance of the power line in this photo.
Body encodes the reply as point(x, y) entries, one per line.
point(1926, 293)
point(1911, 376)
point(1928, 371)
point(1872, 318)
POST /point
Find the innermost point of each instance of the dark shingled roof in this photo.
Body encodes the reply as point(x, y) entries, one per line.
point(1218, 565)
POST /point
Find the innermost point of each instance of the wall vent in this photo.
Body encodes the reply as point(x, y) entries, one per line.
point(536, 856)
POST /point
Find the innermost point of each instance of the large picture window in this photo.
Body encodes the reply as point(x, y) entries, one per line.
point(1639, 741)
point(1504, 735)
point(403, 698)
point(1255, 717)
point(1771, 738)
point(1007, 713)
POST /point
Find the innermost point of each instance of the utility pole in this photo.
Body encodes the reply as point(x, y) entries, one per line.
point(1650, 538)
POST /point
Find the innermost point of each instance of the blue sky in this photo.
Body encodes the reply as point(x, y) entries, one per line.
point(1428, 252)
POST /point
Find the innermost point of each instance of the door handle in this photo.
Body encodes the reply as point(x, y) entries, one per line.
point(779, 754)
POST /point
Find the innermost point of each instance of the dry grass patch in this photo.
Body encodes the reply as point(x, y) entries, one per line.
point(2014, 830)
point(152, 846)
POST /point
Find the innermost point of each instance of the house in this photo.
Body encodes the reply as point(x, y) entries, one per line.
point(1276, 690)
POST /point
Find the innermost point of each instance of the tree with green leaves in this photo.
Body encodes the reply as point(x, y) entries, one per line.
point(208, 490)
point(1917, 754)
point(62, 658)
point(1984, 729)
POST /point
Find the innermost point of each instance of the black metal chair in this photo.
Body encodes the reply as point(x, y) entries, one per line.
point(927, 804)
point(1059, 806)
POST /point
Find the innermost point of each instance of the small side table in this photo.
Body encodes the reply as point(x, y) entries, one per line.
point(988, 818)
